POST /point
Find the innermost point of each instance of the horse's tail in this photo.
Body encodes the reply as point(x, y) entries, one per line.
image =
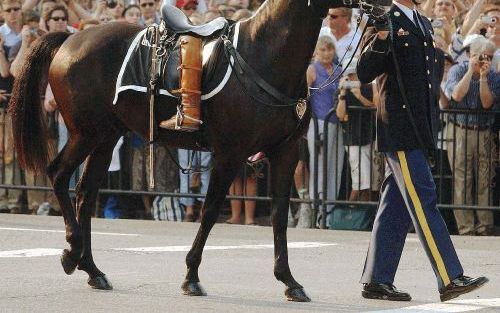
point(29, 127)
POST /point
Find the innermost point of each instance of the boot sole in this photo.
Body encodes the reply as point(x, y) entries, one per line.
point(464, 290)
point(378, 296)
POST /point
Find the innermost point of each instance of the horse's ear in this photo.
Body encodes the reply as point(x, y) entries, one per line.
point(320, 7)
point(341, 3)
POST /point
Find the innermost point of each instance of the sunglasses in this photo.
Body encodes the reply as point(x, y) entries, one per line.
point(147, 4)
point(446, 4)
point(12, 9)
point(485, 57)
point(57, 19)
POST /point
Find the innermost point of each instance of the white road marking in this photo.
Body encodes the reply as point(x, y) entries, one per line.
point(453, 306)
point(29, 253)
point(38, 252)
point(291, 245)
point(62, 231)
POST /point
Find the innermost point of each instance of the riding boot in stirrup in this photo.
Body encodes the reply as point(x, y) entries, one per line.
point(188, 113)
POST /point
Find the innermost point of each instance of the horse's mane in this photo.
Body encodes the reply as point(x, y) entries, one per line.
point(265, 14)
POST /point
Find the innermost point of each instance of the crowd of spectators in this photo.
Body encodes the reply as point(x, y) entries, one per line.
point(467, 34)
point(465, 30)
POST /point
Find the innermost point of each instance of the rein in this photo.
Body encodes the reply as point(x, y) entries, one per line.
point(241, 67)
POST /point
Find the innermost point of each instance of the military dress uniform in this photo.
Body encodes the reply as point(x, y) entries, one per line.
point(406, 131)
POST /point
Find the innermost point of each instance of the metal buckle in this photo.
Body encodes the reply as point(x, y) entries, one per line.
point(301, 108)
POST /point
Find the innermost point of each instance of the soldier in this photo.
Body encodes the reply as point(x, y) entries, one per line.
point(408, 68)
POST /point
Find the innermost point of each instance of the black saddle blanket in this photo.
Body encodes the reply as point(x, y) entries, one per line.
point(136, 67)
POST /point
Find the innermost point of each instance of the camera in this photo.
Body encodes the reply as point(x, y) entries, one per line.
point(111, 3)
point(482, 58)
point(488, 20)
point(37, 32)
point(437, 24)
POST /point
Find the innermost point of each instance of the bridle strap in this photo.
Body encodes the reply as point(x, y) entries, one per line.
point(241, 68)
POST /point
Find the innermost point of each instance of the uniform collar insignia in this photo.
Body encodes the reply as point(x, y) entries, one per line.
point(402, 32)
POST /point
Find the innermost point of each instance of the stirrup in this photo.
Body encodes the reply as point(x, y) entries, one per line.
point(176, 122)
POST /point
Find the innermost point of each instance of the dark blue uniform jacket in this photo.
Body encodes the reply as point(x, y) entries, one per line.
point(421, 67)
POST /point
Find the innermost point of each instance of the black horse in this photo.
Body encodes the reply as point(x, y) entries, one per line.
point(277, 42)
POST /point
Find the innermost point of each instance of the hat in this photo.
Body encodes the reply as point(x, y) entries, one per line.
point(469, 39)
point(184, 3)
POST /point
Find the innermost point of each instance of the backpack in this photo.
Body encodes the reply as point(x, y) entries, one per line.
point(352, 218)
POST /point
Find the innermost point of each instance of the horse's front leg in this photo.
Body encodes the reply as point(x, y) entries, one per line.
point(221, 178)
point(283, 163)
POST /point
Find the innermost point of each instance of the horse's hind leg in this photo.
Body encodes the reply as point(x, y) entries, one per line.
point(59, 172)
point(283, 163)
point(221, 178)
point(86, 195)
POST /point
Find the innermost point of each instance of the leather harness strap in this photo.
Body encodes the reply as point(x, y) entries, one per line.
point(242, 68)
point(183, 66)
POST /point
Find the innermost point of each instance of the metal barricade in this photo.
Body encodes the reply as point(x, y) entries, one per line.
point(464, 175)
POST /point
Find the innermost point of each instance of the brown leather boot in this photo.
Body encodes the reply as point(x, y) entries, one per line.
point(188, 113)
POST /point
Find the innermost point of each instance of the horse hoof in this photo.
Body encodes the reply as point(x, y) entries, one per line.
point(192, 289)
point(296, 295)
point(100, 282)
point(67, 262)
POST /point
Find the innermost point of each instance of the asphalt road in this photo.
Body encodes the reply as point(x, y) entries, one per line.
point(236, 272)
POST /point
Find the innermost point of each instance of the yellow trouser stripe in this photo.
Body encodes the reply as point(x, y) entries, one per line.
point(422, 220)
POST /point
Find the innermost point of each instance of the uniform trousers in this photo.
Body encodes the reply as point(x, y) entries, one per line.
point(408, 195)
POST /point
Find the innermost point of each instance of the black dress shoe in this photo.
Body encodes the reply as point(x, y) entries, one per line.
point(384, 292)
point(461, 285)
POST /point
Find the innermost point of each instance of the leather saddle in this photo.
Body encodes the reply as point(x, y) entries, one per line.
point(213, 69)
point(214, 63)
point(178, 22)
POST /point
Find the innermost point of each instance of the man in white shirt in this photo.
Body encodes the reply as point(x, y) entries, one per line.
point(11, 30)
point(343, 34)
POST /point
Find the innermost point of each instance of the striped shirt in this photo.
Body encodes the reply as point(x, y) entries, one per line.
point(472, 100)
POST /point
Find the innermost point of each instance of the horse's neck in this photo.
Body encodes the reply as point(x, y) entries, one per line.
point(279, 42)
